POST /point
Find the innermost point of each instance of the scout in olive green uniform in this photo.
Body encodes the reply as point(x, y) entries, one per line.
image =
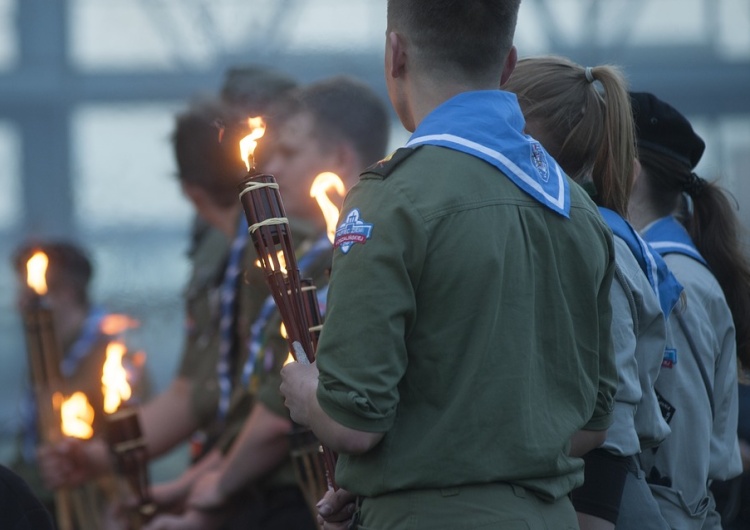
point(494, 401)
point(272, 500)
point(199, 355)
point(466, 351)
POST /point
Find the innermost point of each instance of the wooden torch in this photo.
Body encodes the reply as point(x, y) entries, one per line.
point(296, 300)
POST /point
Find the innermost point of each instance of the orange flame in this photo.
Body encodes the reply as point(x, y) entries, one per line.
point(36, 272)
point(250, 142)
point(322, 184)
point(115, 386)
point(116, 324)
point(280, 257)
point(77, 415)
point(284, 334)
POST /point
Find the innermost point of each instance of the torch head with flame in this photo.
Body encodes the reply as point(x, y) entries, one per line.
point(250, 142)
point(36, 272)
point(115, 386)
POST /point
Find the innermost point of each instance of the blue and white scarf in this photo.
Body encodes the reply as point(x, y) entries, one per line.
point(489, 125)
point(227, 312)
point(664, 283)
point(668, 236)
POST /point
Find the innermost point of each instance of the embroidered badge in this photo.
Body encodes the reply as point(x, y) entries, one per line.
point(539, 160)
point(352, 230)
point(667, 409)
point(670, 358)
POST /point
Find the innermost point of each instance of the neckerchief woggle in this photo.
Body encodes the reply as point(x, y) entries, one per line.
point(227, 306)
point(488, 124)
point(663, 282)
point(668, 236)
point(79, 350)
point(323, 244)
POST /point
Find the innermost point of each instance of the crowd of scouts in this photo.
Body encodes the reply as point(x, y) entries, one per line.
point(536, 313)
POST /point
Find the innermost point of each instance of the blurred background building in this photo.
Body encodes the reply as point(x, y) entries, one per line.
point(88, 89)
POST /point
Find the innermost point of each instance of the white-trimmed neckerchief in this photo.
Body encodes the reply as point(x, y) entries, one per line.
point(488, 124)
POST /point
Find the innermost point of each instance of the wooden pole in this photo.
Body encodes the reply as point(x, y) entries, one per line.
point(44, 357)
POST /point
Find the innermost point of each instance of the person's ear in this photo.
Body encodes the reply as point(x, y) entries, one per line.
point(397, 54)
point(510, 65)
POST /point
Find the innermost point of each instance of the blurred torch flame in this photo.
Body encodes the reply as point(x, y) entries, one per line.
point(290, 357)
point(115, 386)
point(77, 415)
point(250, 142)
point(280, 257)
point(36, 272)
point(115, 324)
point(322, 184)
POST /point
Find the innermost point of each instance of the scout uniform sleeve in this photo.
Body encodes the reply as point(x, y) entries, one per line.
point(725, 461)
point(379, 251)
point(602, 417)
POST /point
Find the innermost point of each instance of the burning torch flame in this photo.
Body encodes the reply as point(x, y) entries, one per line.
point(280, 257)
point(319, 190)
point(290, 357)
point(250, 142)
point(36, 272)
point(115, 386)
point(116, 324)
point(77, 416)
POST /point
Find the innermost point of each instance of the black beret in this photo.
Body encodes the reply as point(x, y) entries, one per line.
point(660, 127)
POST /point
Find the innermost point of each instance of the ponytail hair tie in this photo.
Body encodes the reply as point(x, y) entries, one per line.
point(589, 74)
point(694, 185)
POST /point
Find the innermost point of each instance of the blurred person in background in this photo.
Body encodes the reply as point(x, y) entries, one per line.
point(78, 326)
point(209, 171)
point(335, 125)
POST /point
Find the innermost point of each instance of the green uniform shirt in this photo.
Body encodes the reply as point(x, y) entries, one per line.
point(468, 323)
point(200, 352)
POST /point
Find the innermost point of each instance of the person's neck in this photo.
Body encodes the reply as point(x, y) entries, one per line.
point(426, 94)
point(641, 215)
point(226, 221)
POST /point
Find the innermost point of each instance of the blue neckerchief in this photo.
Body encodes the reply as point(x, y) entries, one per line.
point(323, 244)
point(665, 285)
point(78, 351)
point(668, 236)
point(227, 296)
point(84, 343)
point(488, 124)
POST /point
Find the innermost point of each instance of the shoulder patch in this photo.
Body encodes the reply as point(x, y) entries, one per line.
point(386, 166)
point(352, 230)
